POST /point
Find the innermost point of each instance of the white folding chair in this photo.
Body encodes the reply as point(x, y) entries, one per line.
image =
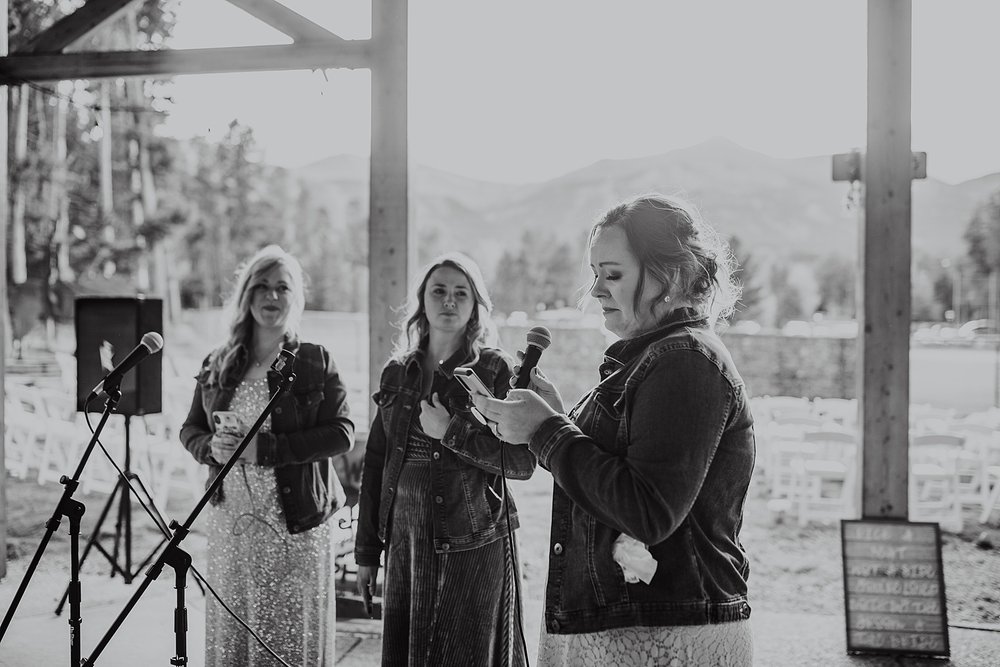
point(843, 411)
point(933, 482)
point(828, 476)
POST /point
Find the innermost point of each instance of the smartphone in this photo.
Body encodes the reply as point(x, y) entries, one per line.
point(474, 386)
point(471, 382)
point(228, 423)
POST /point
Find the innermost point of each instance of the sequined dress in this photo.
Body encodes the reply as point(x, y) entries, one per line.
point(279, 583)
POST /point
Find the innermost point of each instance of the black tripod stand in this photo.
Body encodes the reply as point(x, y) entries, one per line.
point(176, 557)
point(73, 510)
point(123, 524)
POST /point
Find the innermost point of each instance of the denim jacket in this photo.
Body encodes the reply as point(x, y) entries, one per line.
point(465, 463)
point(309, 426)
point(661, 450)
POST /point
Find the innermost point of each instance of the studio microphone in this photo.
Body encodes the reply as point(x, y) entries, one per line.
point(151, 343)
point(539, 339)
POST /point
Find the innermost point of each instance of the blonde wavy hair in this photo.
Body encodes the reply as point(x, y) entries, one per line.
point(241, 322)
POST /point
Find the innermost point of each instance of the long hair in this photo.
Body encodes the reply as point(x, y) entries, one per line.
point(674, 245)
point(480, 330)
point(241, 322)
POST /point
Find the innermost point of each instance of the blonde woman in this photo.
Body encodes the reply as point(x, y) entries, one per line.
point(269, 543)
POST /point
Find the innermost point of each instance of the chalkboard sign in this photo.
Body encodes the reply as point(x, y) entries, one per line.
point(894, 588)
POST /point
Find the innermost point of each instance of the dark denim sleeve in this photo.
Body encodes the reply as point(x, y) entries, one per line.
point(675, 422)
point(331, 435)
point(196, 432)
point(367, 545)
point(476, 444)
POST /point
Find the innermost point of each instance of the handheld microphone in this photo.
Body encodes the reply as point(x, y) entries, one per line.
point(151, 343)
point(539, 339)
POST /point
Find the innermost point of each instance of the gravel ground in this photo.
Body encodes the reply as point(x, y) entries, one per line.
point(793, 569)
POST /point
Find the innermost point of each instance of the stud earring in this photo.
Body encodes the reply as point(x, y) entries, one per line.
point(666, 299)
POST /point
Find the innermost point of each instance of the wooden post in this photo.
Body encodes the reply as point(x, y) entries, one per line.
point(4, 217)
point(884, 352)
point(389, 248)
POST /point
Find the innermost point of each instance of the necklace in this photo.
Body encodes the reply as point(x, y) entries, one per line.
point(271, 352)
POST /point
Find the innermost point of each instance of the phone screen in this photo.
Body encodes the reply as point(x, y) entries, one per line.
point(471, 382)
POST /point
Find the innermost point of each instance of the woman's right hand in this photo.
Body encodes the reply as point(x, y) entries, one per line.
point(223, 446)
point(367, 574)
point(540, 385)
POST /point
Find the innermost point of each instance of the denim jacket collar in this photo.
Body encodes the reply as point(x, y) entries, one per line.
point(621, 352)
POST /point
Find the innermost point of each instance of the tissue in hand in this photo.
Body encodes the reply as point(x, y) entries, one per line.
point(635, 560)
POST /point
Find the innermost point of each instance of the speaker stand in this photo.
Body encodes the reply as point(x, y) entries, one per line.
point(123, 524)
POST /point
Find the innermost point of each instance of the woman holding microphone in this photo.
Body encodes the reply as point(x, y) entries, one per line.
point(651, 468)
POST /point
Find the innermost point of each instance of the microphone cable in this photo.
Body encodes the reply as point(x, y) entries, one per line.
point(168, 535)
point(519, 611)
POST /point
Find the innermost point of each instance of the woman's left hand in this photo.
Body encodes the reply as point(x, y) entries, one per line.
point(516, 418)
point(434, 417)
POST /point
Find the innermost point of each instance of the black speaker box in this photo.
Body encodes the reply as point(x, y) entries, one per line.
point(107, 329)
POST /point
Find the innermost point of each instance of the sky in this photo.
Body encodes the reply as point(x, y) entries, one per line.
point(526, 90)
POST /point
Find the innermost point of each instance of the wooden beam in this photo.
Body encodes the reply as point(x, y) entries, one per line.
point(351, 54)
point(4, 315)
point(389, 247)
point(283, 19)
point(851, 166)
point(884, 358)
point(74, 27)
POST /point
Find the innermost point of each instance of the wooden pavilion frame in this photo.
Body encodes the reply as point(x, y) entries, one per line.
point(884, 313)
point(45, 58)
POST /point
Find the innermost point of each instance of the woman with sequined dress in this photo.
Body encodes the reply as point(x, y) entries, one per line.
point(433, 498)
point(269, 543)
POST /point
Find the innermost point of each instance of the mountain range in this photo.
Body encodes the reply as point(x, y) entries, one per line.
point(780, 208)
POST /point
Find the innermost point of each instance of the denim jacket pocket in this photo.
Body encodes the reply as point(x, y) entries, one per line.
point(606, 575)
point(609, 424)
point(307, 400)
point(384, 398)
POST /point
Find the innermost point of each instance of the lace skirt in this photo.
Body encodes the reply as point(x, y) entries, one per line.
point(719, 645)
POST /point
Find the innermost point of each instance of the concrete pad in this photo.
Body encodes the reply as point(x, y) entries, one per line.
point(813, 640)
point(38, 637)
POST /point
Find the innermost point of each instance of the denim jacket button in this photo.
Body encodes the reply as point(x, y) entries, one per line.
point(277, 411)
point(438, 499)
point(554, 626)
point(445, 546)
point(286, 489)
point(557, 550)
point(436, 455)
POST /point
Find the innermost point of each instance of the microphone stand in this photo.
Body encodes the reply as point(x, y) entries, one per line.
point(176, 557)
point(73, 510)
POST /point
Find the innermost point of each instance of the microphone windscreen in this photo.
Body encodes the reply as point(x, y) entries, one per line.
point(152, 341)
point(539, 337)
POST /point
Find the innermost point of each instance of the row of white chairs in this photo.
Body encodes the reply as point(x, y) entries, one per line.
point(812, 469)
point(45, 438)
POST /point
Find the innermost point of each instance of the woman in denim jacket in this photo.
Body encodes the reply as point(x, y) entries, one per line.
point(652, 467)
point(433, 496)
point(269, 543)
